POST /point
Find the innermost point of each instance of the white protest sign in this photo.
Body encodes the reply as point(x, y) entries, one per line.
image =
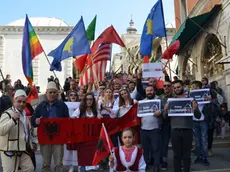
point(72, 106)
point(150, 70)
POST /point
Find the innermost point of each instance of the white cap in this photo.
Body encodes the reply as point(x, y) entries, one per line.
point(51, 85)
point(19, 93)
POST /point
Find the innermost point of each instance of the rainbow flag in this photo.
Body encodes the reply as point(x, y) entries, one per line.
point(31, 47)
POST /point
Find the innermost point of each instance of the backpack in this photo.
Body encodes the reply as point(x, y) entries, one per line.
point(5, 103)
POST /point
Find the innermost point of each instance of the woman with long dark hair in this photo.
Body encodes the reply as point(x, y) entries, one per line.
point(87, 109)
point(123, 103)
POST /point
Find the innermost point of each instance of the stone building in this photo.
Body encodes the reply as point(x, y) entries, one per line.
point(51, 32)
point(205, 42)
point(130, 60)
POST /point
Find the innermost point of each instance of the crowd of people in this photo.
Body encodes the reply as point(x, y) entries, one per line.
point(112, 98)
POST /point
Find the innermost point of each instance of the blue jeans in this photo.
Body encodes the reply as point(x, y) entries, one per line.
point(82, 169)
point(201, 135)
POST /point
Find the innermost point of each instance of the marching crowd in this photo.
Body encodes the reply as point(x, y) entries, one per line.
point(112, 98)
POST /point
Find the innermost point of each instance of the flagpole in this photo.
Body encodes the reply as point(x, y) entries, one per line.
point(107, 138)
point(131, 57)
point(49, 63)
point(170, 74)
point(169, 68)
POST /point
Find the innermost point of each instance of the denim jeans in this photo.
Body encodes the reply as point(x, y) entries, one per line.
point(82, 169)
point(201, 135)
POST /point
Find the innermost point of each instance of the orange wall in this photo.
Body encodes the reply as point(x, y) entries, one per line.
point(190, 5)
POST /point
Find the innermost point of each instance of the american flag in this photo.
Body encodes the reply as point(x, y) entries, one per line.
point(96, 71)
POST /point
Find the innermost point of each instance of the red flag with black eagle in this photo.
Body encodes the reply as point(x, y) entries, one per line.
point(104, 146)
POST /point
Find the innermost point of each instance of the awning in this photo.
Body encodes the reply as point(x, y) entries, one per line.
point(192, 26)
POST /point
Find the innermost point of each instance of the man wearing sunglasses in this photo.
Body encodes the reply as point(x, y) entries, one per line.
point(15, 139)
point(182, 131)
point(166, 126)
point(51, 108)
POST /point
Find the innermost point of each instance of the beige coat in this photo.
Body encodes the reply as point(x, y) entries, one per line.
point(12, 136)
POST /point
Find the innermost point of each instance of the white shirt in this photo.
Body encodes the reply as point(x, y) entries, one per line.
point(200, 106)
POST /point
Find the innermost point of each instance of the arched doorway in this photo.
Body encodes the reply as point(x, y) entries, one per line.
point(212, 52)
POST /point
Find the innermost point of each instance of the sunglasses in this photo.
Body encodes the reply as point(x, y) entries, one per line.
point(72, 95)
point(52, 92)
point(166, 86)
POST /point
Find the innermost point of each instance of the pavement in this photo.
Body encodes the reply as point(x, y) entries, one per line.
point(219, 162)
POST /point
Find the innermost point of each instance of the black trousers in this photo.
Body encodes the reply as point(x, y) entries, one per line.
point(150, 142)
point(182, 144)
point(210, 138)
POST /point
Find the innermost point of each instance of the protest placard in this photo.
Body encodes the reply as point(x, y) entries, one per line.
point(150, 70)
point(180, 107)
point(148, 107)
point(200, 95)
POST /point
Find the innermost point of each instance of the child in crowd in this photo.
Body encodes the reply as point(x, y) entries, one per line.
point(127, 157)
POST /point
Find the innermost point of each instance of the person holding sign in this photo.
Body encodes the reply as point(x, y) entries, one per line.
point(150, 132)
point(51, 108)
point(87, 109)
point(200, 131)
point(182, 131)
point(70, 156)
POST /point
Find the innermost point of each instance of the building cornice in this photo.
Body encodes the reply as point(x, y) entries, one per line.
point(41, 30)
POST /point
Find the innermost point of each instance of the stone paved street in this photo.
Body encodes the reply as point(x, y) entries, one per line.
point(220, 161)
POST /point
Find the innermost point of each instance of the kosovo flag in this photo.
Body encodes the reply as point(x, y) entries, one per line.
point(154, 27)
point(75, 44)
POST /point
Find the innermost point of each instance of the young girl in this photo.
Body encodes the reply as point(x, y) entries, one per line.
point(128, 157)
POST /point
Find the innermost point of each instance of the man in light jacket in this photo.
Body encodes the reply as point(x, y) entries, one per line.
point(15, 139)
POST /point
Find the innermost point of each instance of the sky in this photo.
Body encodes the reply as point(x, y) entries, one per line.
point(116, 12)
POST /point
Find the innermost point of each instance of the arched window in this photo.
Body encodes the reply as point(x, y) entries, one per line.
point(212, 52)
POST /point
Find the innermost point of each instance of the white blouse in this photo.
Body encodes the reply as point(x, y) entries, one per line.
point(141, 166)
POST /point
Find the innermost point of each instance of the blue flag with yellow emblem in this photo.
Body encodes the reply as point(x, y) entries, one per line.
point(75, 44)
point(154, 27)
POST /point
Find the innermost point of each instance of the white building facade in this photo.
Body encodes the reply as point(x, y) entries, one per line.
point(51, 32)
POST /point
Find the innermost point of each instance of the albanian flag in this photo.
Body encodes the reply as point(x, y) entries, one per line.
point(104, 146)
point(171, 50)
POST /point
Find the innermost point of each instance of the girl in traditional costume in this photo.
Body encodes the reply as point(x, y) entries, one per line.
point(129, 157)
